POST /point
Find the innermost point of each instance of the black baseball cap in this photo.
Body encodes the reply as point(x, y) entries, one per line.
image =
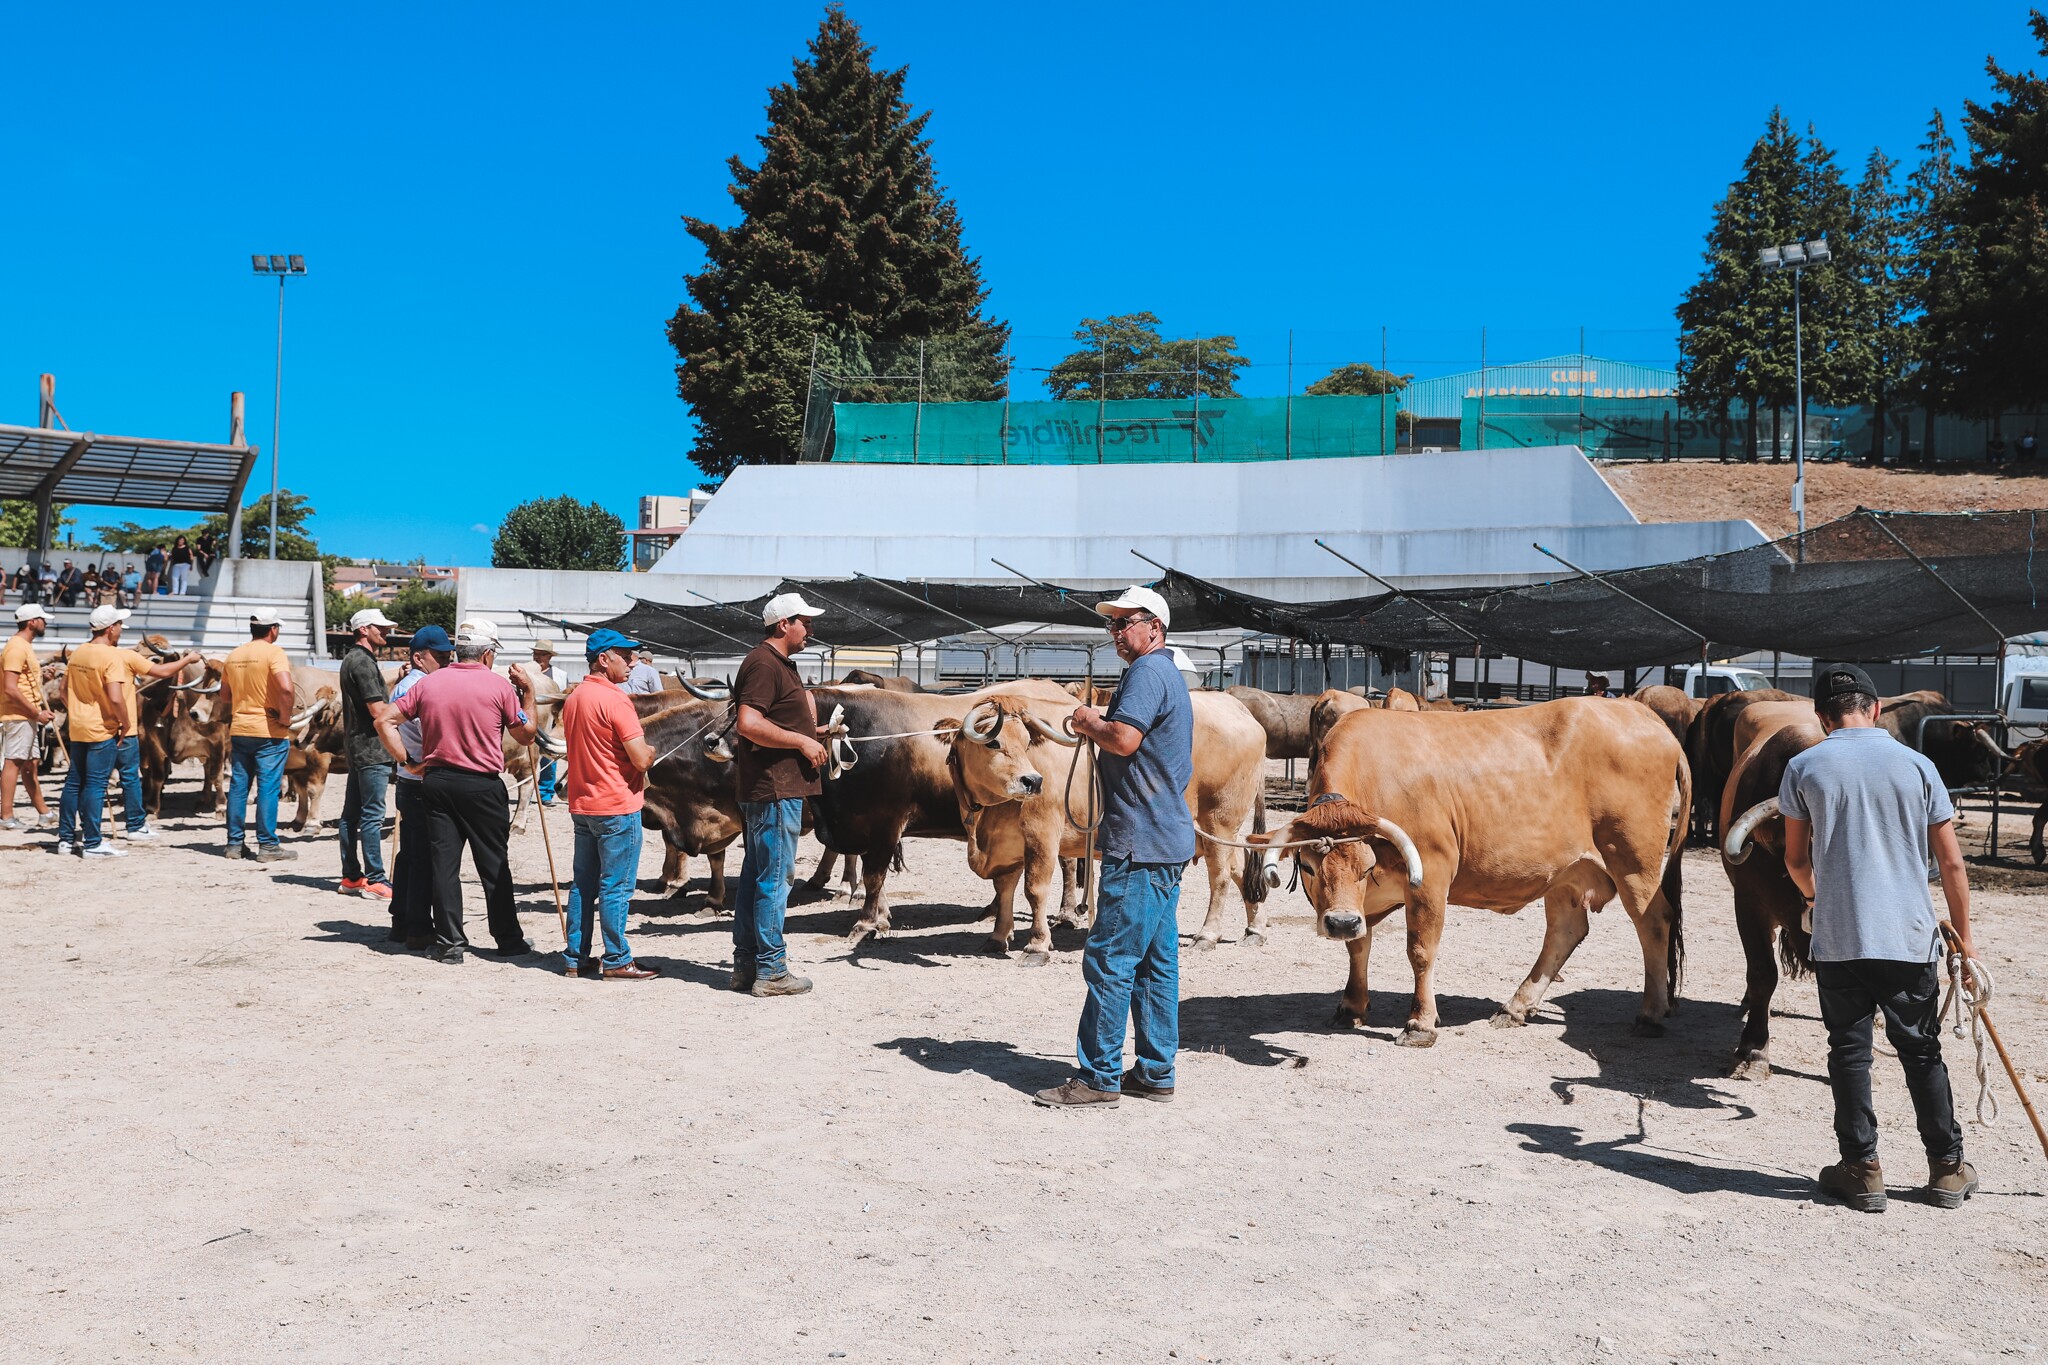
point(1842, 680)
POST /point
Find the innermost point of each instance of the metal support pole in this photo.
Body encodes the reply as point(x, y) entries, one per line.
point(917, 420)
point(1101, 392)
point(1195, 426)
point(1383, 398)
point(1482, 388)
point(803, 439)
point(1799, 418)
point(1997, 634)
point(1287, 450)
point(1623, 592)
point(1403, 593)
point(276, 414)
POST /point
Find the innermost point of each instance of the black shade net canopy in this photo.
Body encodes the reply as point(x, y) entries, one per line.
point(1871, 585)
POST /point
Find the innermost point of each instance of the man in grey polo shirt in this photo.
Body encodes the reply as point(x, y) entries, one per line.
point(1862, 812)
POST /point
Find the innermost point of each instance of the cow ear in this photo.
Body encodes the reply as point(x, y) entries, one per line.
point(947, 730)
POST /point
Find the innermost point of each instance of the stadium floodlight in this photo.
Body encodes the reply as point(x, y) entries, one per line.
point(284, 267)
point(1797, 256)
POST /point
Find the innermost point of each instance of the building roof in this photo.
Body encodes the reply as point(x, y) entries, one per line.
point(122, 471)
point(1556, 376)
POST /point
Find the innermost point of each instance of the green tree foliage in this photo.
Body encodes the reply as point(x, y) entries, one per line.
point(2002, 210)
point(559, 533)
point(1736, 324)
point(1942, 279)
point(1359, 380)
point(846, 242)
point(421, 604)
point(1126, 357)
point(1875, 256)
point(294, 540)
point(18, 523)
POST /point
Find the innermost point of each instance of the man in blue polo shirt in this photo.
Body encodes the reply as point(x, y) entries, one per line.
point(1145, 743)
point(1862, 812)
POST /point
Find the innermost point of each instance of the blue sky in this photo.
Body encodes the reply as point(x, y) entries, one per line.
point(488, 198)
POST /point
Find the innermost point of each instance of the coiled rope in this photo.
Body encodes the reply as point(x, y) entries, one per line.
point(1969, 991)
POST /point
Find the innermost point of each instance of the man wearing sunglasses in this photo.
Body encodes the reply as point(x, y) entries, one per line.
point(1145, 743)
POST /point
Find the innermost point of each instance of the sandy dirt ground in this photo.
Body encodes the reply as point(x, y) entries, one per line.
point(1688, 490)
point(240, 1126)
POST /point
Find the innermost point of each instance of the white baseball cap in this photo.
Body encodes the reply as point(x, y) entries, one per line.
point(102, 617)
point(479, 626)
point(785, 605)
point(1135, 598)
point(265, 616)
point(369, 616)
point(30, 611)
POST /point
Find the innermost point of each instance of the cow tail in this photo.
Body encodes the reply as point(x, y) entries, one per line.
point(1671, 887)
point(1251, 877)
point(896, 858)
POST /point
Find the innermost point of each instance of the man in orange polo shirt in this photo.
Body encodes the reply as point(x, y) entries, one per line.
point(608, 761)
point(99, 701)
point(256, 688)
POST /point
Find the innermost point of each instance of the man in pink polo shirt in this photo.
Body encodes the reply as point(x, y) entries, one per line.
point(608, 761)
point(465, 710)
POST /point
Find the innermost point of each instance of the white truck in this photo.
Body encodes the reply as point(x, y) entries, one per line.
point(1711, 680)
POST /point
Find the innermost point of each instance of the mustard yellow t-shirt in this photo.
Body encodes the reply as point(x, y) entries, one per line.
point(246, 680)
point(19, 657)
point(88, 674)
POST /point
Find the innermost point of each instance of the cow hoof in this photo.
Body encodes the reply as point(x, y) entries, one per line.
point(1205, 942)
point(1752, 1068)
point(1646, 1028)
point(857, 935)
point(1033, 957)
point(1509, 1019)
point(1345, 1018)
point(1416, 1037)
point(996, 947)
point(1254, 939)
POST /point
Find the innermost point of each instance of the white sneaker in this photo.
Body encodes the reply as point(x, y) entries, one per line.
point(49, 820)
point(10, 823)
point(145, 835)
point(104, 850)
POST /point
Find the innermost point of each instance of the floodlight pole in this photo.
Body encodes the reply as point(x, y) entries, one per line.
point(276, 417)
point(1797, 255)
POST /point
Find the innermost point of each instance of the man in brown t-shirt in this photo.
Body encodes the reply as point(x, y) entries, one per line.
point(775, 766)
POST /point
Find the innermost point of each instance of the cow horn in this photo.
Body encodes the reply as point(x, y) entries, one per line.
point(1735, 846)
point(1044, 731)
point(704, 693)
point(1398, 837)
point(983, 732)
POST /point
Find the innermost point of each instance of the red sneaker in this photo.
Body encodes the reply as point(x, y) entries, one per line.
point(352, 886)
point(377, 889)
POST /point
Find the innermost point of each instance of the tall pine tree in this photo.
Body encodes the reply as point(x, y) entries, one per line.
point(1942, 281)
point(2004, 207)
point(1875, 256)
point(847, 246)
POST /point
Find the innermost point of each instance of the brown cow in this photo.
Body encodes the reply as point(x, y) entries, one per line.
point(1014, 774)
point(1671, 705)
point(1573, 801)
point(1768, 906)
point(1710, 748)
point(1329, 708)
point(1283, 716)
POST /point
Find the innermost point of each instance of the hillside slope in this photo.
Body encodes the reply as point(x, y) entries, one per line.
point(1707, 490)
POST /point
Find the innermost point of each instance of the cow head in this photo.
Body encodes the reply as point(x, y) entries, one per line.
point(993, 750)
point(1343, 851)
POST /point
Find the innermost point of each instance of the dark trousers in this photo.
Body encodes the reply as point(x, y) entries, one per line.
point(412, 871)
point(470, 808)
point(1909, 993)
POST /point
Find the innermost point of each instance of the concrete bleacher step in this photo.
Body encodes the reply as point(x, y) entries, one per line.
point(212, 625)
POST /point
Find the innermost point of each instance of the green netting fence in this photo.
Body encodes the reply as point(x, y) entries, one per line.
point(1128, 431)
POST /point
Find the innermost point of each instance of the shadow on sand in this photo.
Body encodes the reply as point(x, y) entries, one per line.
point(1000, 1062)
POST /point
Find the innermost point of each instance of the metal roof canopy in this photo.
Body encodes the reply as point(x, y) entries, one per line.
point(49, 464)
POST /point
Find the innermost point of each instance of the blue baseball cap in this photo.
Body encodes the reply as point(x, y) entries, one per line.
point(432, 638)
point(602, 640)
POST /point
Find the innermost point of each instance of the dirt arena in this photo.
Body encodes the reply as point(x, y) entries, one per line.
point(240, 1126)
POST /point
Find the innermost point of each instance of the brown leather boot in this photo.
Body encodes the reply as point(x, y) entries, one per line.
point(1859, 1184)
point(1949, 1183)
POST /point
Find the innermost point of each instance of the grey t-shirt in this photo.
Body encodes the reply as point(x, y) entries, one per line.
point(1871, 801)
point(1144, 809)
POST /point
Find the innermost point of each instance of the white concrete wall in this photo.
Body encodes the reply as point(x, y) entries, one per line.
point(1461, 518)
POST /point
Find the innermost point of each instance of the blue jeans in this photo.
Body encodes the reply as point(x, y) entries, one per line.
point(763, 892)
point(260, 761)
point(607, 870)
point(1132, 967)
point(545, 777)
point(128, 762)
point(85, 791)
point(362, 822)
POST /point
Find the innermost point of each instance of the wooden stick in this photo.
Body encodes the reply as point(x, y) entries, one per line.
point(561, 915)
point(2012, 1073)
